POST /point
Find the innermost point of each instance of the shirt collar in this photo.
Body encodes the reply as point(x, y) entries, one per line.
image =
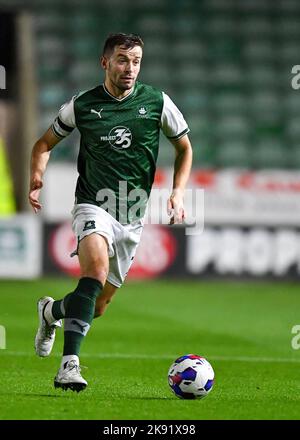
point(118, 99)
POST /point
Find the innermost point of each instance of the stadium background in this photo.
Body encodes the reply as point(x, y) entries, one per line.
point(228, 65)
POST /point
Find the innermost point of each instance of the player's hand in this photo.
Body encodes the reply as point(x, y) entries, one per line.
point(36, 185)
point(175, 207)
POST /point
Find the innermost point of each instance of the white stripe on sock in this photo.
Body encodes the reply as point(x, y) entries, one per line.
point(48, 313)
point(67, 358)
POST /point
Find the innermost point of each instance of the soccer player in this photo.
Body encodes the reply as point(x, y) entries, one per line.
point(119, 122)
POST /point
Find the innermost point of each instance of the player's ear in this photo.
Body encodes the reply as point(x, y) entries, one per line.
point(104, 62)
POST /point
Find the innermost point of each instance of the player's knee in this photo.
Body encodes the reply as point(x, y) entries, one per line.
point(94, 271)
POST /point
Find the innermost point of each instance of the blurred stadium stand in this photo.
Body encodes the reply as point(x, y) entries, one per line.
point(226, 63)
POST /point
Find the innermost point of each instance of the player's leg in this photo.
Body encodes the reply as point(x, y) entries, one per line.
point(51, 312)
point(79, 308)
point(104, 299)
point(80, 305)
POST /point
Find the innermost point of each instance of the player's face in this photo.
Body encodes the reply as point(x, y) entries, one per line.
point(123, 66)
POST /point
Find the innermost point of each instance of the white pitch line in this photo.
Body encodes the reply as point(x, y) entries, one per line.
point(158, 357)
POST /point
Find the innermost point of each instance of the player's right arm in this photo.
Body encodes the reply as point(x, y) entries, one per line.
point(39, 159)
point(61, 127)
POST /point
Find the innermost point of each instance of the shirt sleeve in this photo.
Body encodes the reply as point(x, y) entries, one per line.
point(173, 123)
point(65, 122)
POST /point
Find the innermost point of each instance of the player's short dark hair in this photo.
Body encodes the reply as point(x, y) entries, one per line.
point(126, 40)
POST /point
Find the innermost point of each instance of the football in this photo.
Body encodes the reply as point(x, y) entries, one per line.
point(191, 377)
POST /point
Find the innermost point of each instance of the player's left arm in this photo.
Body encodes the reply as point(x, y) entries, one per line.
point(182, 169)
point(175, 128)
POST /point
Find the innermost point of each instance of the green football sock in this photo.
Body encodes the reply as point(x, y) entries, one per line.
point(79, 312)
point(58, 308)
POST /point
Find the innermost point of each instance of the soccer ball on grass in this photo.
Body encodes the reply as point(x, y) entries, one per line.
point(191, 377)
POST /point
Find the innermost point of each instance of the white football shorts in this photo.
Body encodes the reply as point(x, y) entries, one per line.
point(122, 240)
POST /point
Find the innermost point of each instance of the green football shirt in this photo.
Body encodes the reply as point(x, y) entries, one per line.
point(119, 145)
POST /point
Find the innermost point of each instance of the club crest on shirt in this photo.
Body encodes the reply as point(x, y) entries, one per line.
point(142, 112)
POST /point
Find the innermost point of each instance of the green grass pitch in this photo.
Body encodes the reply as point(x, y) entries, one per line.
point(243, 329)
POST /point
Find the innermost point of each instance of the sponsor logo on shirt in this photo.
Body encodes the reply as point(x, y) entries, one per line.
point(119, 137)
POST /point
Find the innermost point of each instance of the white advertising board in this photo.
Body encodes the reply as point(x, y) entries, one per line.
point(20, 246)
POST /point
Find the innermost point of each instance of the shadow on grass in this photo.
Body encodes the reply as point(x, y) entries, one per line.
point(32, 395)
point(73, 394)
